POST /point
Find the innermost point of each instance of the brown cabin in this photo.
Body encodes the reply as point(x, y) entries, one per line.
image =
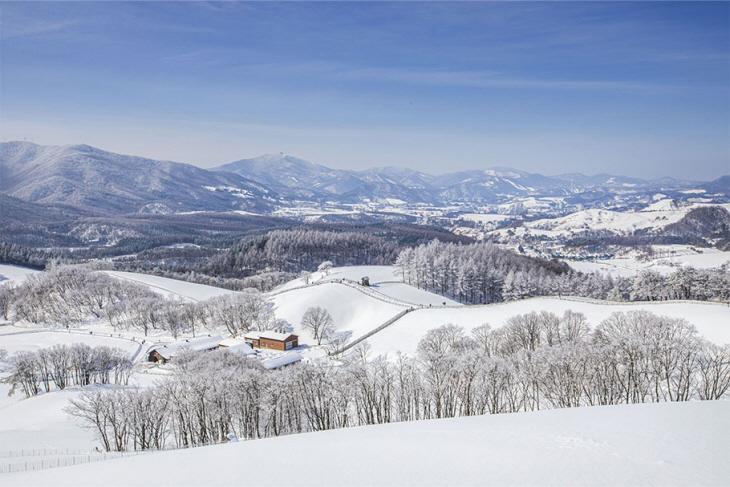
point(272, 340)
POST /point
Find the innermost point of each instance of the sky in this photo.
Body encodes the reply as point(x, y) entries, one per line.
point(632, 88)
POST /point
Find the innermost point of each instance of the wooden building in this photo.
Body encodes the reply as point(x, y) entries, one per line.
point(272, 340)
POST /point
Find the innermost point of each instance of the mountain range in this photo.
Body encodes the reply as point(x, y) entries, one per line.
point(90, 180)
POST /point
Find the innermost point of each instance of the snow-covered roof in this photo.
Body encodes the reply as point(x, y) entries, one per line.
point(231, 342)
point(281, 360)
point(275, 335)
point(195, 344)
point(243, 348)
point(270, 335)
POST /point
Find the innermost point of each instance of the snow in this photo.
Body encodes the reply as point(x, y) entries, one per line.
point(666, 204)
point(172, 288)
point(275, 335)
point(14, 339)
point(39, 422)
point(712, 320)
point(666, 260)
point(410, 294)
point(15, 275)
point(237, 345)
point(645, 444)
point(594, 219)
point(350, 309)
point(281, 360)
point(383, 281)
point(195, 344)
point(485, 218)
point(376, 273)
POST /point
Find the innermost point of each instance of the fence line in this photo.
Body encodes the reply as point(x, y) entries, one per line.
point(73, 457)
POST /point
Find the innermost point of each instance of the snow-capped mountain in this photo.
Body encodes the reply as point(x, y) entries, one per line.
point(89, 179)
point(84, 177)
point(282, 172)
point(297, 177)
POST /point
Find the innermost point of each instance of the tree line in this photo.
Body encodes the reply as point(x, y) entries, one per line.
point(62, 366)
point(484, 273)
point(303, 249)
point(66, 295)
point(535, 361)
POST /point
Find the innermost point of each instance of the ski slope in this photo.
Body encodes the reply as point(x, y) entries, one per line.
point(645, 444)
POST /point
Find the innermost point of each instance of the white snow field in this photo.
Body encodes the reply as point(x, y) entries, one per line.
point(383, 280)
point(351, 309)
point(359, 310)
point(666, 260)
point(13, 274)
point(712, 320)
point(173, 288)
point(654, 217)
point(646, 444)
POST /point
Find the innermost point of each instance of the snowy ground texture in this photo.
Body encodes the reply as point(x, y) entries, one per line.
point(647, 444)
point(13, 274)
point(654, 444)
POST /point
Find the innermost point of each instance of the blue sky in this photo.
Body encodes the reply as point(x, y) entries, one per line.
point(633, 88)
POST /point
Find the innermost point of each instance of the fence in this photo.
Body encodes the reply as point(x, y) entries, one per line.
point(39, 459)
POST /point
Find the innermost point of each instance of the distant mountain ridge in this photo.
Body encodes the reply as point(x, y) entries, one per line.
point(287, 174)
point(80, 176)
point(87, 179)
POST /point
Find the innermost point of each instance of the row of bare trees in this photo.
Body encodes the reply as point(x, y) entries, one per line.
point(535, 361)
point(62, 366)
point(68, 295)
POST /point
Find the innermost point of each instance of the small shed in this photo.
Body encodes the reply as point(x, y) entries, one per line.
point(166, 352)
point(272, 340)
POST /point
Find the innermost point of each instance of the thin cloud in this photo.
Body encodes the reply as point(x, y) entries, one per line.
point(483, 79)
point(35, 28)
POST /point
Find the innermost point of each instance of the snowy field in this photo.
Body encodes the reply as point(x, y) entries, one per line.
point(14, 339)
point(646, 444)
point(40, 422)
point(173, 288)
point(360, 310)
point(667, 259)
point(383, 280)
point(712, 320)
point(351, 310)
point(13, 274)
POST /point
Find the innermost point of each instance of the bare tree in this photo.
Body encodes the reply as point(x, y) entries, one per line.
point(319, 322)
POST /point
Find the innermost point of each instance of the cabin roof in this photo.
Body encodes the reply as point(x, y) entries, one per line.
point(270, 335)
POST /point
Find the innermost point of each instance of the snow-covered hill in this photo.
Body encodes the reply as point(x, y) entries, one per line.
point(359, 310)
point(646, 444)
point(95, 180)
point(14, 275)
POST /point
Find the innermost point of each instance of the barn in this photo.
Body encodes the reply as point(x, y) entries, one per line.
point(272, 340)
